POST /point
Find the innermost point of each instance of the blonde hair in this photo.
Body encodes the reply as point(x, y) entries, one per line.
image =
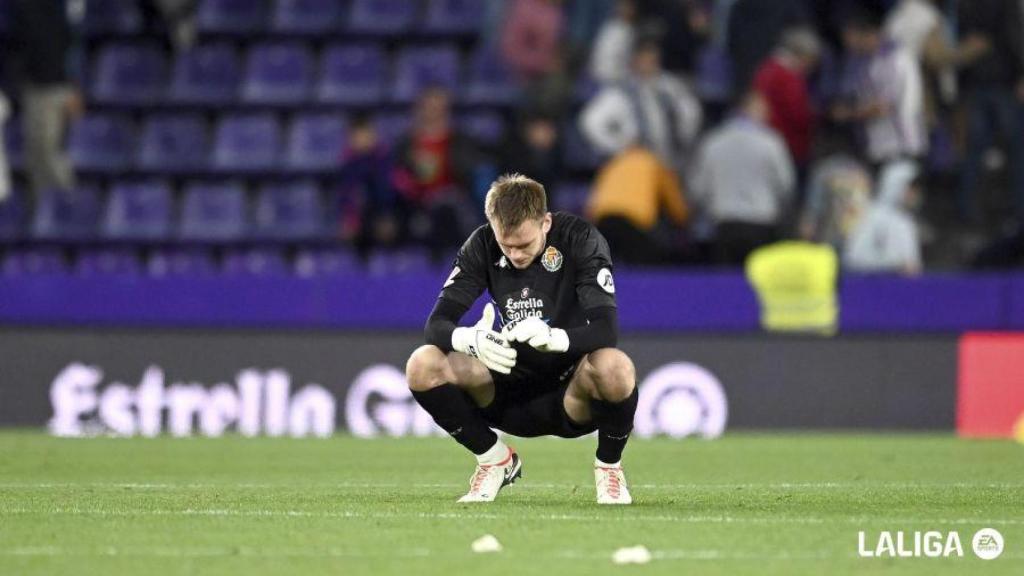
point(514, 199)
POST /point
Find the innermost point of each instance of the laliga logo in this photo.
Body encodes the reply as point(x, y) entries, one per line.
point(379, 402)
point(679, 400)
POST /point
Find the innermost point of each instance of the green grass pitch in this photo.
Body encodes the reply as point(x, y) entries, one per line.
point(745, 504)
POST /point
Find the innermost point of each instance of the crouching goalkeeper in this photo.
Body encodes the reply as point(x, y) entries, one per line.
point(550, 367)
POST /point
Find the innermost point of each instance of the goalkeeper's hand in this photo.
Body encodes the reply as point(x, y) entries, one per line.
point(539, 335)
point(483, 343)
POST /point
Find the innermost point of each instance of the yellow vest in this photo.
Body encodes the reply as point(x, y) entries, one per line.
point(795, 284)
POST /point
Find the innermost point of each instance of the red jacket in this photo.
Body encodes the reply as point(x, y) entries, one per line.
point(788, 99)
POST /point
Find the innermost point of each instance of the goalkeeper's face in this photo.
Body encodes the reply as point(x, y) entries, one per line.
point(524, 243)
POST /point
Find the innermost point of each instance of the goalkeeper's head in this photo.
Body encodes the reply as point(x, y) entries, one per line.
point(517, 209)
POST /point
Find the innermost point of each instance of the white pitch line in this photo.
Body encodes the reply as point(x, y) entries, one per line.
point(521, 485)
point(355, 514)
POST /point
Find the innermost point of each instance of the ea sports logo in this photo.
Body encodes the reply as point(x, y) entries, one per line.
point(679, 400)
point(987, 543)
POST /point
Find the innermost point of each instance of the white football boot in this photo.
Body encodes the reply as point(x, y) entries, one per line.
point(489, 479)
point(611, 484)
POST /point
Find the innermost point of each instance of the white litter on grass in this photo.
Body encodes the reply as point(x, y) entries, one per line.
point(632, 555)
point(486, 544)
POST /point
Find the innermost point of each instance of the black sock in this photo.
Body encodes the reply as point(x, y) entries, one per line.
point(615, 422)
point(454, 411)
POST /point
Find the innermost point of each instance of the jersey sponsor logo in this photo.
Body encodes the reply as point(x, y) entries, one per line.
point(552, 259)
point(451, 277)
point(518, 306)
point(605, 280)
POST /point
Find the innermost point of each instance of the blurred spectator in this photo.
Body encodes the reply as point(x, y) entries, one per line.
point(434, 173)
point(45, 44)
point(922, 28)
point(886, 239)
point(5, 175)
point(551, 94)
point(838, 195)
point(176, 19)
point(632, 194)
point(535, 150)
point(882, 93)
point(782, 80)
point(651, 107)
point(754, 28)
point(744, 182)
point(584, 20)
point(531, 37)
point(372, 212)
point(682, 26)
point(609, 59)
point(994, 93)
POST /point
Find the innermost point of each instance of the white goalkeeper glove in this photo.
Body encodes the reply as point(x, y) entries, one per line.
point(538, 334)
point(483, 343)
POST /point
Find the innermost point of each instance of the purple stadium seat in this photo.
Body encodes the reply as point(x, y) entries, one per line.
point(71, 215)
point(213, 213)
point(325, 262)
point(419, 67)
point(173, 142)
point(315, 142)
point(255, 262)
point(307, 16)
point(34, 262)
point(714, 74)
point(570, 196)
point(112, 17)
point(486, 127)
point(231, 16)
point(108, 262)
point(277, 73)
point(13, 215)
point(289, 212)
point(206, 74)
point(489, 80)
point(181, 262)
point(390, 262)
point(454, 16)
point(392, 126)
point(102, 142)
point(383, 17)
point(129, 74)
point(138, 211)
point(247, 142)
point(14, 141)
point(352, 74)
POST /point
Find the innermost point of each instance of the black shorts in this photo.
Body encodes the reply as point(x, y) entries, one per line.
point(529, 403)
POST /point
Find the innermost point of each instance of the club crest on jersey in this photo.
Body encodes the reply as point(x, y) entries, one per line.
point(552, 259)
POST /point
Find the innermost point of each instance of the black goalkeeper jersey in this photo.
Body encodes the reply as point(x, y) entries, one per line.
point(565, 286)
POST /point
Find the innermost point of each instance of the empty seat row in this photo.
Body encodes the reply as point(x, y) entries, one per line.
point(236, 142)
point(281, 73)
point(199, 261)
point(316, 17)
point(150, 212)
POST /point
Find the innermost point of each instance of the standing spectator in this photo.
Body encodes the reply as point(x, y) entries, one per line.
point(609, 60)
point(531, 38)
point(652, 108)
point(882, 94)
point(994, 92)
point(372, 212)
point(782, 80)
point(744, 182)
point(886, 239)
point(535, 150)
point(434, 173)
point(45, 43)
point(754, 28)
point(632, 195)
point(838, 194)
